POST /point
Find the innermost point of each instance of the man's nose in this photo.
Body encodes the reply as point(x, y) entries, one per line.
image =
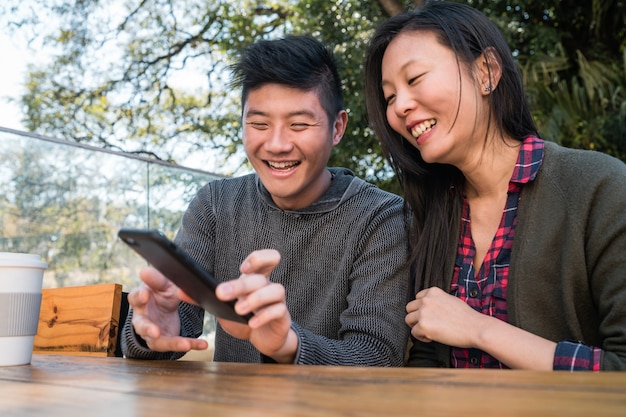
point(279, 140)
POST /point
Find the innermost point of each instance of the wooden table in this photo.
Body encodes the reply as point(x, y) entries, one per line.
point(115, 387)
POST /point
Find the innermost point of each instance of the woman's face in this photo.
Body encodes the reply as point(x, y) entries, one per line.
point(431, 99)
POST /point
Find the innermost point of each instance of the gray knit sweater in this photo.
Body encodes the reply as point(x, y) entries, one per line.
point(343, 267)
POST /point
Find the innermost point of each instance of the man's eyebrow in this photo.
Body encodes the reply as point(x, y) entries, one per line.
point(306, 113)
point(302, 113)
point(256, 113)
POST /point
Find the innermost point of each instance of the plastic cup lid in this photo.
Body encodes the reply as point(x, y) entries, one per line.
point(28, 260)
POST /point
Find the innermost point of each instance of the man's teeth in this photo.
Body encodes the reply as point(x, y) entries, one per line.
point(421, 128)
point(282, 165)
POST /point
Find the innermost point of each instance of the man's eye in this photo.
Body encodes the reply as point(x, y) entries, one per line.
point(258, 125)
point(300, 126)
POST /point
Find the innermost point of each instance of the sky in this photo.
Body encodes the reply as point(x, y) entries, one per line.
point(15, 58)
point(12, 72)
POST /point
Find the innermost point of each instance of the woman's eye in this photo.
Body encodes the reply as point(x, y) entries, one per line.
point(413, 80)
point(389, 99)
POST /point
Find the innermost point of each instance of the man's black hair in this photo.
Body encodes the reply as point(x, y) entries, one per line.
point(300, 62)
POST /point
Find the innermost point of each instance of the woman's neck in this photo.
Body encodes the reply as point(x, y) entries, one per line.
point(489, 174)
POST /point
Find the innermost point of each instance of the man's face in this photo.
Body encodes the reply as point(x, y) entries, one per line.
point(288, 139)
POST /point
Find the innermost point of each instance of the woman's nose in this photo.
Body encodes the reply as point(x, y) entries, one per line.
point(403, 104)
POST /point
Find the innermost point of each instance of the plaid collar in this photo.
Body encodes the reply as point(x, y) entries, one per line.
point(528, 161)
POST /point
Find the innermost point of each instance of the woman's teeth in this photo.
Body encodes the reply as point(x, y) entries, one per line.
point(420, 129)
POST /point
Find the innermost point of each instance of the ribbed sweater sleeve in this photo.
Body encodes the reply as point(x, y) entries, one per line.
point(192, 319)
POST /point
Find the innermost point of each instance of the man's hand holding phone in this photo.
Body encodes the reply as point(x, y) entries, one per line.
point(155, 314)
point(251, 307)
point(269, 328)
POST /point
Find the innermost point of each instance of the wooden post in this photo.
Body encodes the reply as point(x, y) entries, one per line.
point(82, 320)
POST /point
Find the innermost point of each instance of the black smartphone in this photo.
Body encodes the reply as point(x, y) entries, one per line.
point(181, 269)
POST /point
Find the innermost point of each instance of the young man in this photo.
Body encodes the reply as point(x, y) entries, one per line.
point(316, 254)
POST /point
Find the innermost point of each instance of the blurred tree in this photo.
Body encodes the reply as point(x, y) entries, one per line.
point(150, 77)
point(120, 76)
point(66, 203)
point(573, 58)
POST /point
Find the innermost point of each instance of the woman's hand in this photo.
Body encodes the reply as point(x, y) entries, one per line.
point(435, 315)
point(439, 316)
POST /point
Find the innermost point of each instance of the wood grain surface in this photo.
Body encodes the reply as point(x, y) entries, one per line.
point(81, 320)
point(91, 386)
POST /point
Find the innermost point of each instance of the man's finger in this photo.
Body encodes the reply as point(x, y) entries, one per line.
point(260, 262)
point(139, 297)
point(184, 297)
point(145, 328)
point(154, 279)
point(237, 288)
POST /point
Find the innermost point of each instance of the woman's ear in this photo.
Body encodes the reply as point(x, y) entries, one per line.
point(489, 68)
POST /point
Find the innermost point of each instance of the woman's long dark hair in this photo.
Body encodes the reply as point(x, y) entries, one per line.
point(432, 192)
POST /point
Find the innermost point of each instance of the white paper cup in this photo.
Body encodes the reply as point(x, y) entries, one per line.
point(21, 279)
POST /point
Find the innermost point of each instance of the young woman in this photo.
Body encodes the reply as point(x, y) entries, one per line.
point(518, 245)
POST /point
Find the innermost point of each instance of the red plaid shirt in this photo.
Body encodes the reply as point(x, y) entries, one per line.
point(486, 291)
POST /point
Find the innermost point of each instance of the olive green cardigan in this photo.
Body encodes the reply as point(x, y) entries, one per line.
point(567, 277)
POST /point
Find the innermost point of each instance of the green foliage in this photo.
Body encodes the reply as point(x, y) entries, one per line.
point(114, 80)
point(586, 111)
point(571, 55)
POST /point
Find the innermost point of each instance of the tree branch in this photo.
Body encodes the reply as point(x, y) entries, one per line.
point(393, 7)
